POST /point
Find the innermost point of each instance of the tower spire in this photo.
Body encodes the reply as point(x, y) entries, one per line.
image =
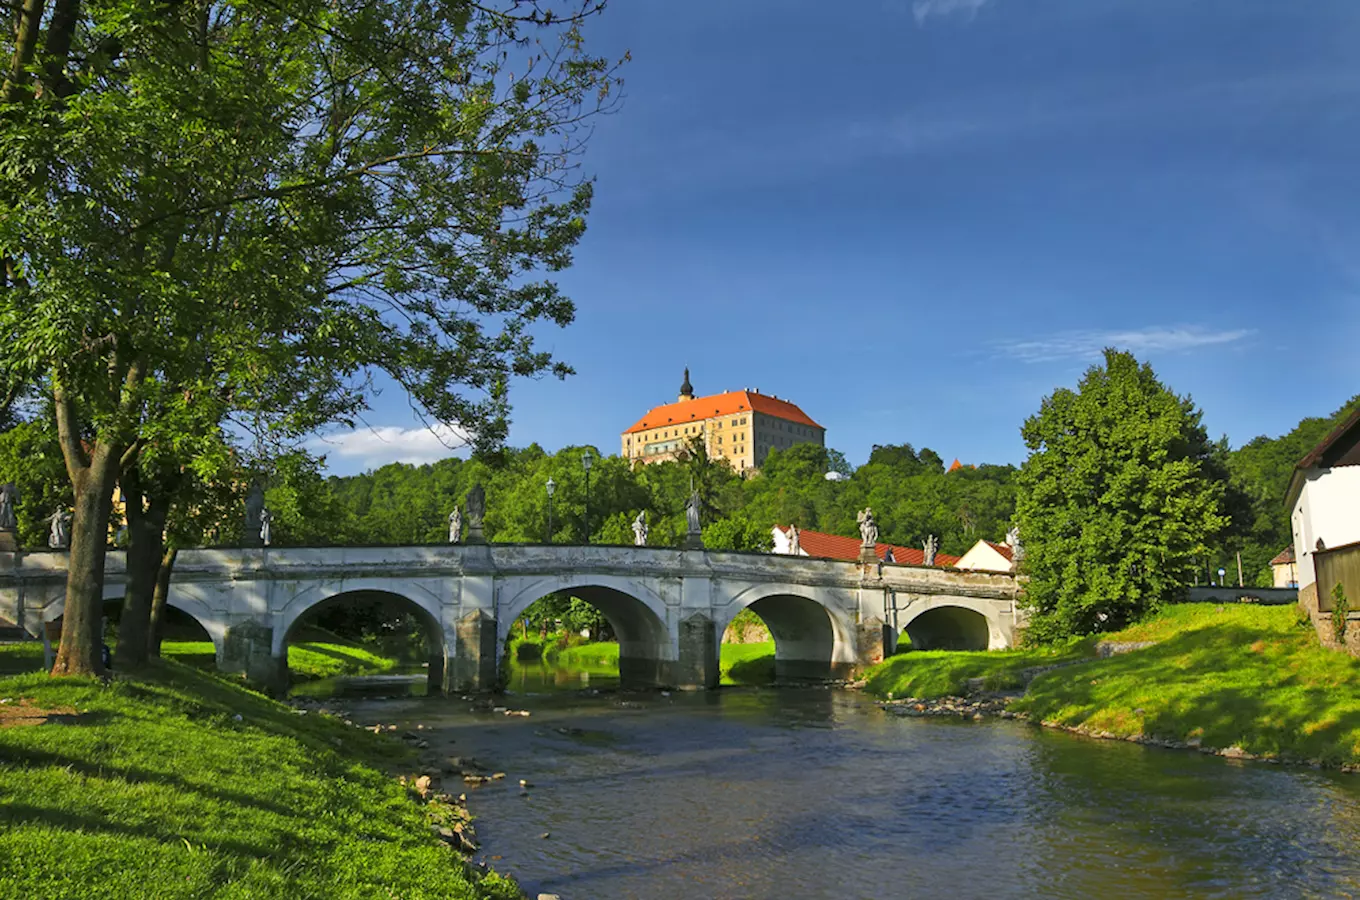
point(686, 389)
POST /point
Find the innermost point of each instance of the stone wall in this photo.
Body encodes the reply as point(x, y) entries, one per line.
point(1323, 625)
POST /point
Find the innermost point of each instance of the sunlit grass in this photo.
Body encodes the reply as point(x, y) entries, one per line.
point(1244, 676)
point(180, 784)
point(937, 673)
point(307, 660)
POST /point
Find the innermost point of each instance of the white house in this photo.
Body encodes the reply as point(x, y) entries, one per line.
point(1324, 505)
point(988, 556)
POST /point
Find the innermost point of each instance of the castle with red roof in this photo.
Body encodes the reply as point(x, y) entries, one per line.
point(740, 427)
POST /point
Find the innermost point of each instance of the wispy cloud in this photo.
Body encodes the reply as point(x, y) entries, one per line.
point(924, 9)
point(1087, 345)
point(379, 445)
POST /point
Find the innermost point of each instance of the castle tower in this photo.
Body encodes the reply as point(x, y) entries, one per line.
point(686, 389)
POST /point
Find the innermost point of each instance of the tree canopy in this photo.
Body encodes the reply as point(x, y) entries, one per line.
point(1120, 494)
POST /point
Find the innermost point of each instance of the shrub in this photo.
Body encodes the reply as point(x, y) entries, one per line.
point(1341, 607)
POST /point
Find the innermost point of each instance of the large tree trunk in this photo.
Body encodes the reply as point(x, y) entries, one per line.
point(146, 543)
point(82, 621)
point(153, 635)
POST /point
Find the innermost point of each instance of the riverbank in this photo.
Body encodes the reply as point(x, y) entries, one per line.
point(181, 784)
point(1240, 681)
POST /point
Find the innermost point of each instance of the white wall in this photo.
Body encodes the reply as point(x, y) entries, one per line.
point(982, 557)
point(1328, 508)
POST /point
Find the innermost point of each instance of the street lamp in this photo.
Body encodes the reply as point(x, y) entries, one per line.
point(552, 486)
point(587, 460)
point(1221, 573)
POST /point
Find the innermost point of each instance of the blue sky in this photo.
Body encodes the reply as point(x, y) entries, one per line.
point(915, 218)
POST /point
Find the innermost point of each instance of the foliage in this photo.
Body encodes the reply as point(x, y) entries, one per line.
point(402, 504)
point(183, 785)
point(1260, 471)
point(1241, 675)
point(565, 613)
point(1341, 608)
point(249, 210)
point(1118, 497)
point(31, 458)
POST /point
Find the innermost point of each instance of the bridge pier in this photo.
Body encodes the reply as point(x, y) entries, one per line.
point(247, 649)
point(697, 669)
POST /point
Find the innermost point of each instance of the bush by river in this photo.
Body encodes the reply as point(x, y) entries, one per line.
point(182, 784)
point(1238, 679)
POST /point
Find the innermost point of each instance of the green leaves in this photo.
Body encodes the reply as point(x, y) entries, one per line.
point(1116, 500)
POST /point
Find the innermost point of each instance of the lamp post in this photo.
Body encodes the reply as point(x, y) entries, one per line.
point(551, 486)
point(587, 460)
point(1221, 573)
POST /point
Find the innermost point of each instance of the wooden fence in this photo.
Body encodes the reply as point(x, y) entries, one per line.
point(1339, 565)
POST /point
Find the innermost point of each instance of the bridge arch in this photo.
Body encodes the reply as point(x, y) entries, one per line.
point(814, 636)
point(409, 596)
point(636, 613)
point(177, 598)
point(954, 623)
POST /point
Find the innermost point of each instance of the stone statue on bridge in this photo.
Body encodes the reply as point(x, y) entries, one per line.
point(868, 528)
point(693, 529)
point(1013, 540)
point(9, 495)
point(795, 541)
point(59, 538)
point(455, 525)
point(476, 513)
point(254, 506)
point(640, 529)
point(266, 526)
point(931, 547)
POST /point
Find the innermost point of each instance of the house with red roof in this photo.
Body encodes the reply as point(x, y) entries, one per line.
point(821, 545)
point(740, 427)
point(1285, 568)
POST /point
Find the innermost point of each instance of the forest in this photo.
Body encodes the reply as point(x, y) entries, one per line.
point(911, 492)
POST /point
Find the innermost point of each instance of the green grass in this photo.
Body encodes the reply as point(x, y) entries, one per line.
point(739, 663)
point(937, 673)
point(1245, 676)
point(585, 656)
point(156, 790)
point(747, 663)
point(306, 661)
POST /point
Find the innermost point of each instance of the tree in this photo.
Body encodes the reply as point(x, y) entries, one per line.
point(1116, 499)
point(200, 197)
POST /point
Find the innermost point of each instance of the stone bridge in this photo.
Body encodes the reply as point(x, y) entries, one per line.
point(669, 608)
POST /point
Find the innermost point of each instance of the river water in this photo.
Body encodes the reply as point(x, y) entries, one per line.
point(817, 793)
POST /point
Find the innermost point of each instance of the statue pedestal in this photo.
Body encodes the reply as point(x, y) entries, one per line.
point(693, 542)
point(868, 556)
point(9, 542)
point(474, 535)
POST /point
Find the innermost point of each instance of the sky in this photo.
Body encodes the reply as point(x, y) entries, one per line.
point(917, 218)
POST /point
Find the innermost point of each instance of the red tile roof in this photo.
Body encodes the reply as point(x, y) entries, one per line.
point(1004, 549)
point(1284, 557)
point(833, 546)
point(733, 402)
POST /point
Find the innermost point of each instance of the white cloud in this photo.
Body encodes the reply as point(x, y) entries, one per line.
point(924, 9)
point(1087, 345)
point(379, 445)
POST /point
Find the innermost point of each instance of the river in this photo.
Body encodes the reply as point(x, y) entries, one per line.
point(817, 793)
